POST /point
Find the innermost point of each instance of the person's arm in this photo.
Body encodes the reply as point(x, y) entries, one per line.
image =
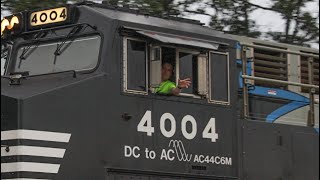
point(182, 84)
point(176, 91)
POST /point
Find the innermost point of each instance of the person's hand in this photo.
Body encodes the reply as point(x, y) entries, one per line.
point(185, 83)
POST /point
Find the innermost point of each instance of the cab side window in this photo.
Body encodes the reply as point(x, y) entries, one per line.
point(145, 72)
point(135, 66)
point(187, 65)
point(188, 69)
point(219, 78)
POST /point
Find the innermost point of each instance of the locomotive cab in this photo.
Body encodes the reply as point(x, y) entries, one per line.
point(79, 100)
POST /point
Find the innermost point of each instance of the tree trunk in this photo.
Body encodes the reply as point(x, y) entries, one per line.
point(296, 29)
point(287, 32)
point(246, 16)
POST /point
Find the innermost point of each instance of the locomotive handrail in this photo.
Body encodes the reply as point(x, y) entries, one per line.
point(280, 50)
point(59, 27)
point(280, 82)
point(312, 88)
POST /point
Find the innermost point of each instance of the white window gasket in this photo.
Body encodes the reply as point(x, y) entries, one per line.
point(210, 79)
point(125, 67)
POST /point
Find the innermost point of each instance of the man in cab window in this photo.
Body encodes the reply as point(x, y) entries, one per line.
point(167, 87)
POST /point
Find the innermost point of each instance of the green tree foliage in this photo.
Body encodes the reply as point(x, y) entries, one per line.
point(300, 27)
point(163, 7)
point(231, 16)
point(21, 5)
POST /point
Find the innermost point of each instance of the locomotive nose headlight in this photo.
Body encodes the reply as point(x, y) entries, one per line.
point(4, 24)
point(14, 21)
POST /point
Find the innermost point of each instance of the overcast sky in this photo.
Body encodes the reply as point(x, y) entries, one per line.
point(267, 20)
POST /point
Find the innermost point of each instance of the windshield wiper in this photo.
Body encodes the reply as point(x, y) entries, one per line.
point(23, 55)
point(4, 54)
point(64, 45)
point(61, 47)
point(26, 51)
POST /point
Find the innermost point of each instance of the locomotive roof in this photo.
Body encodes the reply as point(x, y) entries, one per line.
point(249, 40)
point(180, 24)
point(171, 23)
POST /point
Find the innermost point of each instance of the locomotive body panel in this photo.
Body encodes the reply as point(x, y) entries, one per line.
point(105, 122)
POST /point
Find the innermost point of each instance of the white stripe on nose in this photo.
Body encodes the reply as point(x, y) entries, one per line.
point(35, 135)
point(33, 151)
point(29, 167)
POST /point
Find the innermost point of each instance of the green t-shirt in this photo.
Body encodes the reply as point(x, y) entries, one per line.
point(166, 87)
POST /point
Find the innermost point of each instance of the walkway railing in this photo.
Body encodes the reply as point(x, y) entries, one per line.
point(246, 78)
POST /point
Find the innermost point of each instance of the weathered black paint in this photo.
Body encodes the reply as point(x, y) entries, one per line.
point(91, 108)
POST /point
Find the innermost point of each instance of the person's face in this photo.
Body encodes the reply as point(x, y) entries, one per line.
point(167, 70)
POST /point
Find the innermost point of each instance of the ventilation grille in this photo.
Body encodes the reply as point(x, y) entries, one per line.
point(272, 65)
point(305, 73)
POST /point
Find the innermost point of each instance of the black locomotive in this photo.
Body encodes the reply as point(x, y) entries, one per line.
point(78, 100)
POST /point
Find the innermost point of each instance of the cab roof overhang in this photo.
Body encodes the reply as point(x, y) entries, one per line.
point(161, 24)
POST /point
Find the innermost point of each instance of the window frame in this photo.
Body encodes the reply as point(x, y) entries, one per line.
point(6, 65)
point(152, 86)
point(12, 63)
point(125, 67)
point(210, 100)
point(177, 65)
point(177, 69)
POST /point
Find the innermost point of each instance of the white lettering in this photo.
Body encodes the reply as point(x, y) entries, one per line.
point(136, 153)
point(171, 158)
point(193, 122)
point(201, 159)
point(164, 117)
point(229, 161)
point(145, 124)
point(216, 160)
point(210, 131)
point(129, 151)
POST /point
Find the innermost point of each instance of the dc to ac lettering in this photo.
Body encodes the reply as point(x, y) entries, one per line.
point(145, 126)
point(135, 152)
point(170, 155)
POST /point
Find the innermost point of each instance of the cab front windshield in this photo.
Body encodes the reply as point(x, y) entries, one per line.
point(4, 59)
point(78, 54)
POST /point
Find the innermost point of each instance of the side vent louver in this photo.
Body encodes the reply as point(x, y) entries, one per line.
point(269, 64)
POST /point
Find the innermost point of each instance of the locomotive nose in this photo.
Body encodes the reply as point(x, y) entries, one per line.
point(9, 121)
point(27, 152)
point(9, 113)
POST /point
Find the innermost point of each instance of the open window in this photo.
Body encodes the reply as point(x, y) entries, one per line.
point(155, 66)
point(186, 64)
point(188, 56)
point(135, 66)
point(219, 78)
point(187, 67)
